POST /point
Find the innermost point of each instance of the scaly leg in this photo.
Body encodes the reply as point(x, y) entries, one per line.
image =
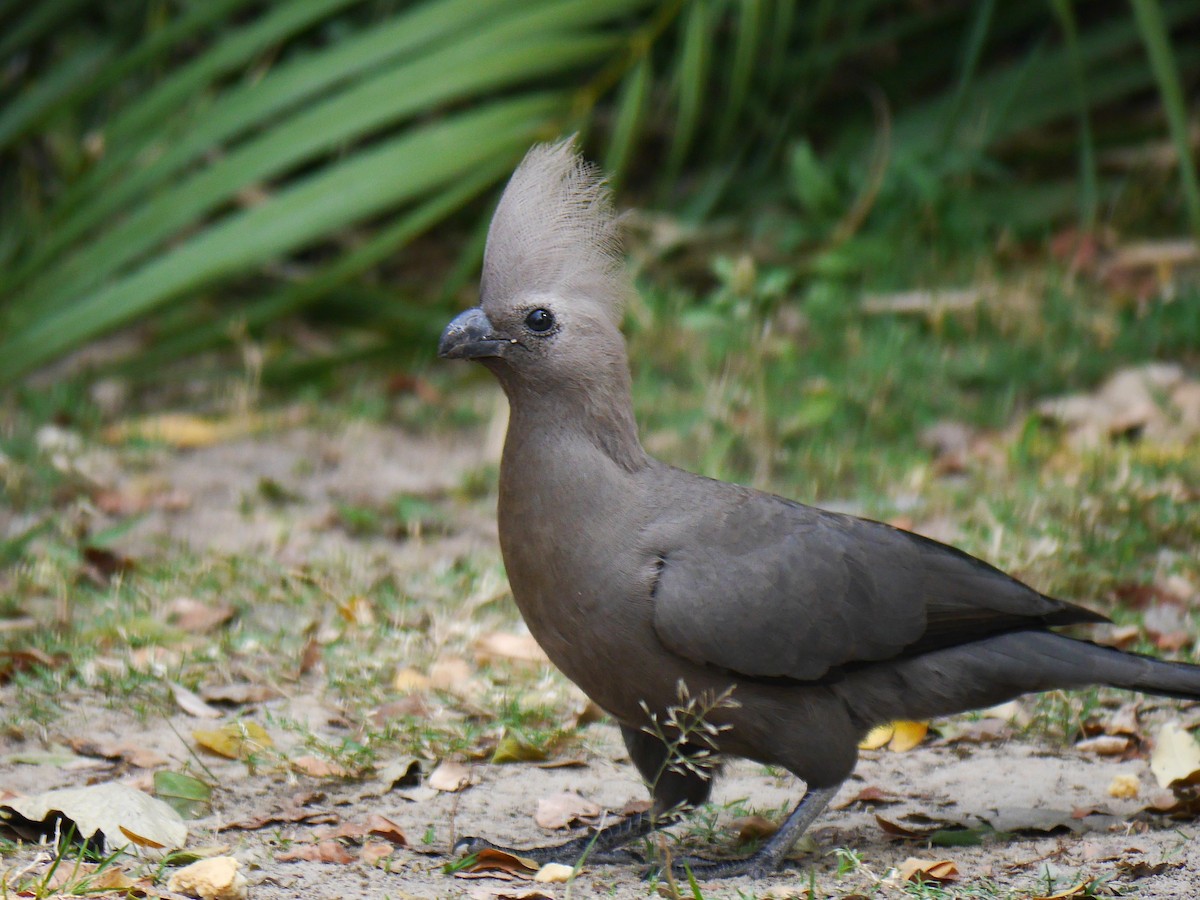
point(770, 856)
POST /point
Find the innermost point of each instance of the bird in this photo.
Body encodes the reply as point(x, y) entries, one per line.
point(711, 620)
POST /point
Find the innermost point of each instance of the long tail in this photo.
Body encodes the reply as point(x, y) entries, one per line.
point(997, 669)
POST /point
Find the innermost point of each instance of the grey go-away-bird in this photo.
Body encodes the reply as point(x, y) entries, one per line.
point(803, 628)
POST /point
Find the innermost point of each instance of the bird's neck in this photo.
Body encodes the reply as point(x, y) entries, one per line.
point(599, 414)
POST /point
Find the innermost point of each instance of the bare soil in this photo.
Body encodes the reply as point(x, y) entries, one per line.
point(1049, 804)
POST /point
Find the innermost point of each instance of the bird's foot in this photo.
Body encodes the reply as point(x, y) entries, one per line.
point(709, 870)
point(569, 853)
point(712, 870)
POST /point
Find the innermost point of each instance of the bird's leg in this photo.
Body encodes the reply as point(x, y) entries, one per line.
point(768, 858)
point(675, 789)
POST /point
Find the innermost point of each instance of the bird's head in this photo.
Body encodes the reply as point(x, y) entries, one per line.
point(554, 284)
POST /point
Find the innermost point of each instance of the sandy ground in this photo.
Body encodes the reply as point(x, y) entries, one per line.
point(1019, 786)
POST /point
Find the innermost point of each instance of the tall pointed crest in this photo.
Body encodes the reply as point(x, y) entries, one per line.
point(555, 232)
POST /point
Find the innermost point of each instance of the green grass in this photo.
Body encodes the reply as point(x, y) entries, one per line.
point(754, 372)
point(791, 388)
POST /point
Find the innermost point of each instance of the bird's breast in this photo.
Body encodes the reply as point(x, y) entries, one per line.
point(581, 580)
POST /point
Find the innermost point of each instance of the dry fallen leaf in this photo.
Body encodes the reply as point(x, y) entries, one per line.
point(877, 737)
point(1124, 787)
point(980, 731)
point(1105, 744)
point(509, 647)
point(938, 870)
point(185, 431)
point(319, 768)
point(179, 430)
point(357, 610)
point(907, 735)
point(1125, 722)
point(513, 748)
point(354, 831)
point(83, 878)
point(14, 661)
point(590, 712)
point(452, 674)
point(410, 706)
point(322, 851)
point(124, 815)
point(374, 851)
point(635, 807)
point(1077, 890)
point(554, 873)
point(566, 762)
point(899, 736)
point(294, 813)
point(754, 828)
point(1134, 871)
point(129, 752)
point(896, 829)
point(383, 827)
point(102, 564)
point(190, 703)
point(217, 878)
point(565, 810)
point(869, 795)
point(405, 772)
point(236, 740)
point(1176, 756)
point(449, 776)
point(488, 862)
point(196, 616)
point(239, 693)
point(409, 680)
point(140, 840)
point(510, 893)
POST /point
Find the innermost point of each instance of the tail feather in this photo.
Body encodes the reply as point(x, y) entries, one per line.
point(1000, 668)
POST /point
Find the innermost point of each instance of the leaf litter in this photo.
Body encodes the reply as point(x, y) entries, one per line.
point(459, 684)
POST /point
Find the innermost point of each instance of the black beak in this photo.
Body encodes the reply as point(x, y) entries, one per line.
point(470, 336)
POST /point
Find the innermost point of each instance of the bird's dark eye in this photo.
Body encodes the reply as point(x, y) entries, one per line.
point(539, 320)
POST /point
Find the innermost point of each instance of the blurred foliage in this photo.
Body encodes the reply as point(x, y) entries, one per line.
point(206, 168)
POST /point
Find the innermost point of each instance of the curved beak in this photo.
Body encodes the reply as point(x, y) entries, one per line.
point(470, 335)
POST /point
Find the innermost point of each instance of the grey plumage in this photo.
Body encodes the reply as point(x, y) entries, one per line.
point(637, 577)
point(554, 233)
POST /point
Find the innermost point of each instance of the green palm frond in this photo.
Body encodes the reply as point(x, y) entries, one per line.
point(219, 164)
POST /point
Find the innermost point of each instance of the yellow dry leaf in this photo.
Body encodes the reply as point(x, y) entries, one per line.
point(512, 748)
point(217, 878)
point(754, 828)
point(1176, 755)
point(877, 737)
point(927, 870)
point(140, 840)
point(182, 430)
point(185, 431)
point(449, 776)
point(554, 873)
point(319, 768)
point(906, 735)
point(1076, 891)
point(237, 740)
point(490, 859)
point(899, 736)
point(357, 610)
point(111, 879)
point(1124, 787)
point(408, 681)
point(509, 647)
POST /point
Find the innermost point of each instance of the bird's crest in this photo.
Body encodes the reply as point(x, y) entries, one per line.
point(555, 232)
